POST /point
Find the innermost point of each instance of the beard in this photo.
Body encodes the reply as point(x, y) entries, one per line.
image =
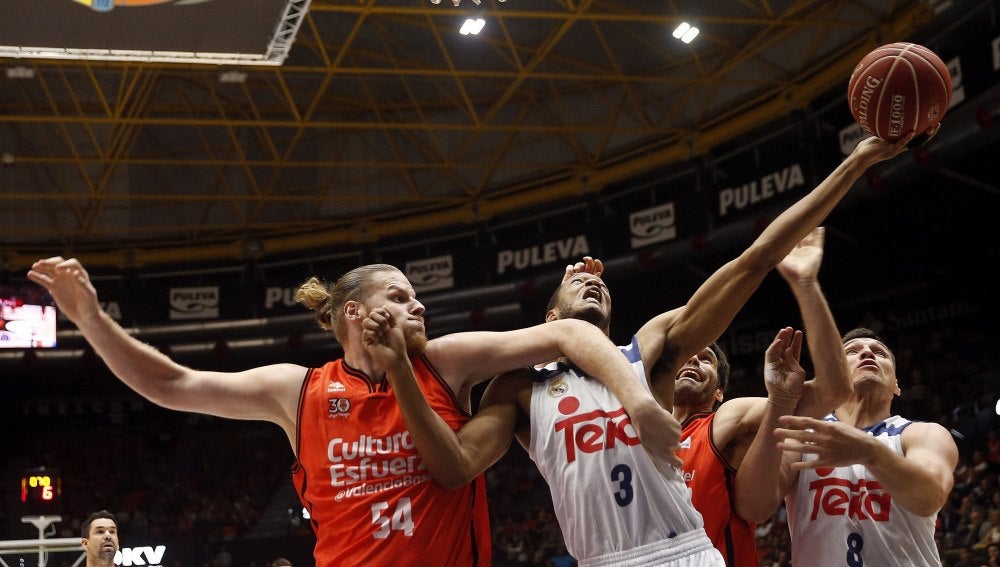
point(415, 341)
point(590, 313)
point(689, 395)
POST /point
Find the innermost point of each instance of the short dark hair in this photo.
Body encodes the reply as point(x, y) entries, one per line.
point(554, 299)
point(865, 333)
point(723, 368)
point(85, 528)
point(281, 562)
point(861, 333)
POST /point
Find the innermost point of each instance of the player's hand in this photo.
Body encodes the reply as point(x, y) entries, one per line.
point(873, 150)
point(835, 444)
point(659, 432)
point(922, 139)
point(587, 266)
point(783, 376)
point(382, 338)
point(801, 265)
point(69, 285)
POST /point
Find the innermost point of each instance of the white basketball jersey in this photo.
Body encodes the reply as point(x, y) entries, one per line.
point(608, 495)
point(842, 518)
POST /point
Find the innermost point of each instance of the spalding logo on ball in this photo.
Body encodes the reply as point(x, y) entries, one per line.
point(899, 88)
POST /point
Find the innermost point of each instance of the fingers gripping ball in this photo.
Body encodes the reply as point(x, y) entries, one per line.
point(899, 88)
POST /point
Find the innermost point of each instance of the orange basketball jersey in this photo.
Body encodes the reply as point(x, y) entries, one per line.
point(711, 479)
point(370, 499)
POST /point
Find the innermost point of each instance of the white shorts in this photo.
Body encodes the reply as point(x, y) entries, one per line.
point(691, 549)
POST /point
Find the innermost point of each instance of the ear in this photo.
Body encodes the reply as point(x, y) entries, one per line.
point(551, 315)
point(719, 396)
point(83, 543)
point(353, 310)
point(897, 390)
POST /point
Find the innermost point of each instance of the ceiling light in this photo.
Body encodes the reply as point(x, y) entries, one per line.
point(232, 77)
point(472, 27)
point(458, 3)
point(20, 72)
point(686, 32)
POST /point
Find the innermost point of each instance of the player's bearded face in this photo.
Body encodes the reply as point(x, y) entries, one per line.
point(415, 340)
point(586, 303)
point(414, 334)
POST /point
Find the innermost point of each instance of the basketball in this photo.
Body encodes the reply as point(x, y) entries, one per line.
point(898, 88)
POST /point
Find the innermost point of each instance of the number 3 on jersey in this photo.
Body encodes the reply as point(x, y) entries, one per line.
point(621, 475)
point(401, 518)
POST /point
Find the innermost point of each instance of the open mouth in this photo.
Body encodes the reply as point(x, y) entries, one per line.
point(689, 374)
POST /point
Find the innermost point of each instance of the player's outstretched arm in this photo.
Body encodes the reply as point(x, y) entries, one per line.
point(686, 330)
point(476, 356)
point(268, 393)
point(452, 457)
point(759, 489)
point(757, 492)
point(831, 384)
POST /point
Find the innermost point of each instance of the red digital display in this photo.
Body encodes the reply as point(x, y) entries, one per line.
point(41, 491)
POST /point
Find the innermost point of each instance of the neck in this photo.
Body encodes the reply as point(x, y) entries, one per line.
point(862, 411)
point(682, 412)
point(359, 359)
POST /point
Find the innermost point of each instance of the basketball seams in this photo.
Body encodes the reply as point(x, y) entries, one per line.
point(942, 74)
point(922, 79)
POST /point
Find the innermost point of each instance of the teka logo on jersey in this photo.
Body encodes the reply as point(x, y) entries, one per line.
point(863, 500)
point(596, 431)
point(152, 556)
point(431, 273)
point(653, 225)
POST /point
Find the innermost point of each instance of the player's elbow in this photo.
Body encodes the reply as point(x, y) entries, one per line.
point(453, 478)
point(929, 505)
point(454, 484)
point(756, 512)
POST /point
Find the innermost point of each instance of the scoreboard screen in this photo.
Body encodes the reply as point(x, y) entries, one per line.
point(25, 321)
point(41, 492)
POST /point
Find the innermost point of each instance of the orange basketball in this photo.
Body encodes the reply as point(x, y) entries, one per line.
point(899, 88)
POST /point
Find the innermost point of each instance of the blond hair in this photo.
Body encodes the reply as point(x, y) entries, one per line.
point(328, 299)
